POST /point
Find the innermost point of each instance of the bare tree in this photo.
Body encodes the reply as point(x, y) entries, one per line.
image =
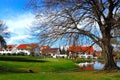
point(3, 33)
point(70, 21)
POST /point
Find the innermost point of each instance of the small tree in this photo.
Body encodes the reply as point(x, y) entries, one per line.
point(3, 33)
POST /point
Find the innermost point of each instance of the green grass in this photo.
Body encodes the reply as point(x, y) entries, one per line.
point(36, 64)
point(15, 67)
point(88, 75)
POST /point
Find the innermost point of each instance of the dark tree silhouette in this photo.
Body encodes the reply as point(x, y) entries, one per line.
point(71, 20)
point(3, 34)
point(2, 42)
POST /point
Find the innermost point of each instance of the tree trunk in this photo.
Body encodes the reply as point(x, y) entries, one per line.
point(110, 63)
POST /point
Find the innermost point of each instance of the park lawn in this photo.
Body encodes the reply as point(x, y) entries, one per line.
point(36, 64)
point(15, 68)
point(84, 75)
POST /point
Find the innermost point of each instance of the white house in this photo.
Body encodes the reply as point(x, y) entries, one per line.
point(25, 48)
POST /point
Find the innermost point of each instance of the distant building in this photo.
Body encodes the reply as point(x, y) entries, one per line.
point(80, 51)
point(46, 50)
point(97, 53)
point(25, 48)
point(31, 49)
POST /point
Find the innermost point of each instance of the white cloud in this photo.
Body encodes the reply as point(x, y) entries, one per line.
point(19, 25)
point(20, 37)
point(8, 30)
point(22, 21)
point(17, 38)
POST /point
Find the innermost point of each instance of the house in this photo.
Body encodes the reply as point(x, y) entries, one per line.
point(30, 49)
point(25, 48)
point(81, 51)
point(46, 50)
point(10, 47)
point(97, 53)
point(8, 50)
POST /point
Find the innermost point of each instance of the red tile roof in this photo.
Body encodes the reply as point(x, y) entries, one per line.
point(22, 46)
point(0, 49)
point(54, 50)
point(26, 46)
point(10, 46)
point(81, 49)
point(98, 53)
point(50, 50)
point(45, 47)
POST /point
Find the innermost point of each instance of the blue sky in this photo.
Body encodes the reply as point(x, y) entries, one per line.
point(17, 18)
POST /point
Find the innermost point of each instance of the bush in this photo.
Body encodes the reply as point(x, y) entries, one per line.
point(4, 54)
point(14, 54)
point(8, 54)
point(22, 54)
point(82, 60)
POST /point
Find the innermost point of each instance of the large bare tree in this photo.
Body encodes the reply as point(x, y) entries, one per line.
point(70, 20)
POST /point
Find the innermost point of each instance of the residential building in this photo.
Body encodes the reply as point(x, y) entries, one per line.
point(28, 49)
point(46, 50)
point(81, 51)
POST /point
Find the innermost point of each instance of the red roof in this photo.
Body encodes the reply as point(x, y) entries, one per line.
point(45, 47)
point(22, 46)
point(98, 53)
point(0, 49)
point(26, 46)
point(10, 46)
point(50, 50)
point(81, 49)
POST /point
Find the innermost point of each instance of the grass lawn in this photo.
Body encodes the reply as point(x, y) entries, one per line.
point(86, 75)
point(36, 64)
point(15, 67)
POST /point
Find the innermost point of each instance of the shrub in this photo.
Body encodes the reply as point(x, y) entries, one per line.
point(82, 60)
point(22, 54)
point(4, 54)
point(8, 54)
point(14, 54)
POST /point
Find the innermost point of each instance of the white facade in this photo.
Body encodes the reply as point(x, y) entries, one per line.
point(14, 52)
point(85, 56)
point(17, 51)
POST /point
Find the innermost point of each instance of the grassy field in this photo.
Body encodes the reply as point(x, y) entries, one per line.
point(18, 68)
point(86, 75)
point(35, 64)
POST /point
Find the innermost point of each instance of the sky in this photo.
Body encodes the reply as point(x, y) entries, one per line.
point(18, 19)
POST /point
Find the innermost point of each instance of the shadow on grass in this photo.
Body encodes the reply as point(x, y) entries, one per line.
point(116, 76)
point(7, 69)
point(13, 70)
point(20, 59)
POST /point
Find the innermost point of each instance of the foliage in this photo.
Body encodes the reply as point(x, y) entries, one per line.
point(82, 60)
point(21, 54)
